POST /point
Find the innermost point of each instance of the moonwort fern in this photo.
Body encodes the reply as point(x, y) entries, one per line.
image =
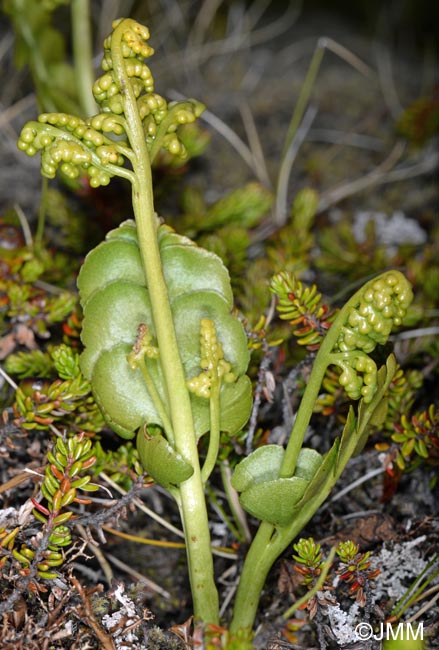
point(165, 356)
point(157, 309)
point(285, 487)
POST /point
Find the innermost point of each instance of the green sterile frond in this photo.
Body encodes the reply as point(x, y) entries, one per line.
point(166, 466)
point(73, 146)
point(116, 300)
point(214, 367)
point(270, 498)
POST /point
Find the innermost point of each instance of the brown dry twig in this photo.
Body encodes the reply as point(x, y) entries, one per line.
point(87, 615)
point(96, 520)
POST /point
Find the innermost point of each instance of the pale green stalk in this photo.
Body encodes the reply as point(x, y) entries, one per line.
point(157, 400)
point(323, 360)
point(238, 513)
point(191, 495)
point(214, 435)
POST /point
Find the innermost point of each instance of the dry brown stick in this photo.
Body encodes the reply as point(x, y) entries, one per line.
point(21, 478)
point(88, 617)
point(99, 555)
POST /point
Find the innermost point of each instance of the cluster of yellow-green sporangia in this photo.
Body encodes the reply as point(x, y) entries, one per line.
point(107, 123)
point(67, 142)
point(356, 385)
point(214, 367)
point(135, 49)
point(159, 118)
point(77, 146)
point(134, 42)
point(106, 90)
point(383, 306)
point(152, 104)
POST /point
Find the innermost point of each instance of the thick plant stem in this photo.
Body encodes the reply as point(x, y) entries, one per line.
point(302, 420)
point(266, 547)
point(191, 495)
point(258, 563)
point(192, 501)
point(269, 542)
point(323, 359)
